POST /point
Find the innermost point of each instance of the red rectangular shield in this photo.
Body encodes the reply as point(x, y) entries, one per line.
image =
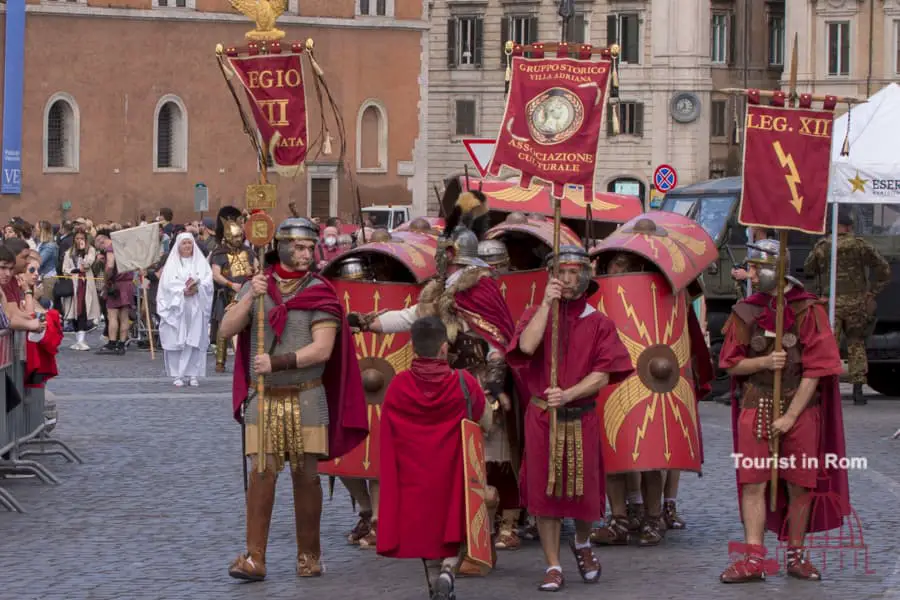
point(478, 525)
point(277, 94)
point(787, 158)
point(387, 354)
point(551, 125)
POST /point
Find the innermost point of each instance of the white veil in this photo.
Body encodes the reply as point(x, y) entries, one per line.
point(184, 321)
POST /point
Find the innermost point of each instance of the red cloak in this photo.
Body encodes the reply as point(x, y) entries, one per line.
point(347, 411)
point(702, 369)
point(40, 357)
point(821, 358)
point(485, 299)
point(588, 343)
point(422, 497)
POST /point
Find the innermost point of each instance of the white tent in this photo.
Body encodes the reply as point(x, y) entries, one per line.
point(870, 174)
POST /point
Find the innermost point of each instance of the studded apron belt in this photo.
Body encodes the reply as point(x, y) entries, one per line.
point(569, 442)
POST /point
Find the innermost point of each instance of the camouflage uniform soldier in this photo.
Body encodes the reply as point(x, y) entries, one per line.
point(854, 298)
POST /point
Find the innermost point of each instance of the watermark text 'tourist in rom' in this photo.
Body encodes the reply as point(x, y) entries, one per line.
point(832, 461)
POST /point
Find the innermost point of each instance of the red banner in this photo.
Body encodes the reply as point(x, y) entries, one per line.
point(551, 126)
point(277, 94)
point(787, 157)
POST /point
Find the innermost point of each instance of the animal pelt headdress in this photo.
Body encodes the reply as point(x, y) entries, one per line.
point(226, 213)
point(439, 300)
point(470, 209)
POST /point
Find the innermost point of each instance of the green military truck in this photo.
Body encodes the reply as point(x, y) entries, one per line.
point(714, 205)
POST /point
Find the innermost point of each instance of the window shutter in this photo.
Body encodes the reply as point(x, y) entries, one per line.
point(577, 28)
point(638, 108)
point(504, 37)
point(479, 42)
point(632, 40)
point(611, 21)
point(609, 119)
point(451, 43)
point(731, 32)
point(532, 30)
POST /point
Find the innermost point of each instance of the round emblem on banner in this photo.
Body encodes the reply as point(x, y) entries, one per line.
point(554, 116)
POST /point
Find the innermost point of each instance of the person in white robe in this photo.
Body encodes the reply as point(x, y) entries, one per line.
point(184, 304)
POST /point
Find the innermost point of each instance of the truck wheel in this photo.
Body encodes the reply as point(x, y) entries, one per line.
point(884, 379)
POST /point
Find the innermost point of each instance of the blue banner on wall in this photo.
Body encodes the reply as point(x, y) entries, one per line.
point(13, 78)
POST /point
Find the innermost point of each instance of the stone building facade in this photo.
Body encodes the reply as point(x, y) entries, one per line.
point(674, 54)
point(125, 109)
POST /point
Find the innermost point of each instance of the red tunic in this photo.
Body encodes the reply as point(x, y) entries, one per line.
point(821, 429)
point(588, 343)
point(422, 497)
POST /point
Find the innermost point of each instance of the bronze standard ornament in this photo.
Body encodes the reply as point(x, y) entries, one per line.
point(261, 196)
point(377, 373)
point(657, 368)
point(554, 116)
point(263, 13)
point(259, 229)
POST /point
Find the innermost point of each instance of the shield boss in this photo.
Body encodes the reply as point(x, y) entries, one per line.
point(376, 375)
point(657, 368)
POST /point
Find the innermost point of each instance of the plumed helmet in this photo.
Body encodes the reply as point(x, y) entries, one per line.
point(764, 254)
point(353, 268)
point(227, 228)
point(494, 253)
point(297, 228)
point(576, 255)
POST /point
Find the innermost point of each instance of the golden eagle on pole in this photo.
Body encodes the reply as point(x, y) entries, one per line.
point(264, 13)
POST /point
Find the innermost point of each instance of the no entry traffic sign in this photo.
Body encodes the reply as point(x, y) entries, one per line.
point(665, 178)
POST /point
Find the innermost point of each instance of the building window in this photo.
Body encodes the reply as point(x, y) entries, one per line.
point(718, 124)
point(172, 3)
point(578, 33)
point(61, 134)
point(465, 36)
point(375, 8)
point(371, 138)
point(625, 30)
point(518, 29)
point(839, 48)
point(719, 45)
point(320, 197)
point(631, 119)
point(465, 117)
point(170, 137)
point(776, 40)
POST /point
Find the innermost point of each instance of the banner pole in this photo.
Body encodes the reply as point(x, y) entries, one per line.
point(147, 316)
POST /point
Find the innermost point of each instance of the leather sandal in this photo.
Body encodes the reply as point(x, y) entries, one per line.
point(799, 567)
point(553, 581)
point(615, 533)
point(588, 565)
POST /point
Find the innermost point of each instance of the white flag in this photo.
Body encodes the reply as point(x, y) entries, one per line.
point(136, 248)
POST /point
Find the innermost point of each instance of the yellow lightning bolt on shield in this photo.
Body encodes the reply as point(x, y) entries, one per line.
point(670, 324)
point(632, 314)
point(676, 413)
point(792, 176)
point(649, 412)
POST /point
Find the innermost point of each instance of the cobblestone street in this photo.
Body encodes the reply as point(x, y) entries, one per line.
point(156, 511)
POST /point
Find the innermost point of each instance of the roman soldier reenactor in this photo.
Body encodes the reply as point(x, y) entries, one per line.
point(479, 326)
point(591, 356)
point(494, 253)
point(233, 265)
point(314, 406)
point(810, 425)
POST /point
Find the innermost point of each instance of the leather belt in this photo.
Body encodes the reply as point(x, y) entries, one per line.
point(752, 396)
point(564, 413)
point(298, 388)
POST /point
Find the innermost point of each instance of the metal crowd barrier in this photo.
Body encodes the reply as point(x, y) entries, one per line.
point(24, 431)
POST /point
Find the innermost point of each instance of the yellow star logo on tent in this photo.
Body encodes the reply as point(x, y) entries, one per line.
point(858, 183)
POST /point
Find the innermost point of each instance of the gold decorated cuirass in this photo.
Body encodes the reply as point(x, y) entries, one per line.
point(239, 264)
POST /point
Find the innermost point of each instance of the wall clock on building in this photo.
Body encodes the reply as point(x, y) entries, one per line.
point(685, 107)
